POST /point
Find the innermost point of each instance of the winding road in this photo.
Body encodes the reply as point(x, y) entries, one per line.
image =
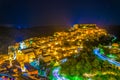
point(57, 75)
point(97, 53)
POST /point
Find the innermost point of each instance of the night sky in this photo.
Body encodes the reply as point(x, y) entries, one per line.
point(59, 12)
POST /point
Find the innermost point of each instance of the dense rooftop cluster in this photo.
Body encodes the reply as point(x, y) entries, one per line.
point(61, 44)
point(79, 39)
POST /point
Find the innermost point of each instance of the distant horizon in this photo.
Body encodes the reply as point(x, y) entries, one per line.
point(29, 26)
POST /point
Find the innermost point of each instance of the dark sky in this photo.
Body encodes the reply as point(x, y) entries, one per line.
point(59, 12)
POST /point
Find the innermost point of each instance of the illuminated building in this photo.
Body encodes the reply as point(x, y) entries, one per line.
point(57, 47)
point(54, 45)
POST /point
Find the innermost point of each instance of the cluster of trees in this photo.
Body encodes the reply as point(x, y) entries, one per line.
point(87, 62)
